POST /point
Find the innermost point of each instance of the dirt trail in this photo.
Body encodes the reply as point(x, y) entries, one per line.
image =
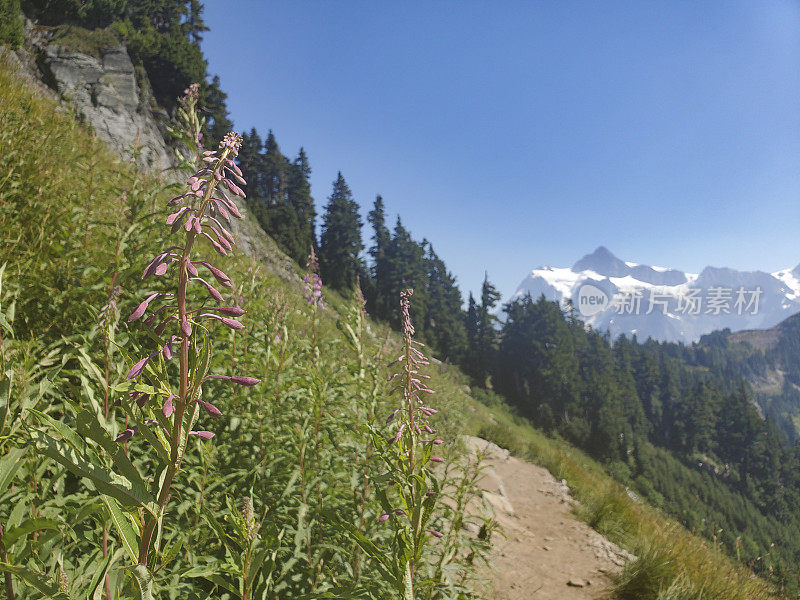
point(547, 554)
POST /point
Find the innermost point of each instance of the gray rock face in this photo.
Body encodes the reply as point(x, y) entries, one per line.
point(106, 95)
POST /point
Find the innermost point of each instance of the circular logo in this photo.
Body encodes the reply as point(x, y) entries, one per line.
point(591, 300)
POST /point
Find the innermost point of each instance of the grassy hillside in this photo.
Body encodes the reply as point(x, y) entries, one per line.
point(261, 507)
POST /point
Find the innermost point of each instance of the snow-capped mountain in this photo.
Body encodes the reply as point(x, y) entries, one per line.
point(666, 304)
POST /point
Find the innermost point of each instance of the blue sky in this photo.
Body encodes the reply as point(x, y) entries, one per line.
point(519, 134)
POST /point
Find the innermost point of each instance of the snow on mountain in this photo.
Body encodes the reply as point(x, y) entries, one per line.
point(666, 304)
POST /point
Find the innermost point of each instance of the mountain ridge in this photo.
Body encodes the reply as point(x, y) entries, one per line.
point(667, 304)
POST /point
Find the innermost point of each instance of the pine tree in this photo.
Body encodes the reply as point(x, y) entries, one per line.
point(194, 27)
point(444, 320)
point(340, 242)
point(274, 168)
point(214, 104)
point(470, 360)
point(487, 334)
point(381, 305)
point(537, 366)
point(250, 164)
point(405, 267)
point(163, 35)
point(298, 191)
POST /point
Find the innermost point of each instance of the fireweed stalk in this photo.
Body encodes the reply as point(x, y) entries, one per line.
point(202, 208)
point(410, 497)
point(313, 295)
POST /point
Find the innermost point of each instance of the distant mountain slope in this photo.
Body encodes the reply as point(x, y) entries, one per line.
point(769, 359)
point(666, 304)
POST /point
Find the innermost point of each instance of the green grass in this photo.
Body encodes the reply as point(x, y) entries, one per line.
point(86, 41)
point(11, 31)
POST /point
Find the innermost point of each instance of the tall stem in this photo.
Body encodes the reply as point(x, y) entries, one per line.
point(183, 390)
point(9, 584)
point(409, 396)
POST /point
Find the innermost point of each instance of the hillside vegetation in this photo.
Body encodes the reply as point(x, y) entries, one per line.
point(267, 505)
point(262, 505)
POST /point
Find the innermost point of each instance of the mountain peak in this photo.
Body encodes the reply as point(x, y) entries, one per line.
point(603, 262)
point(657, 297)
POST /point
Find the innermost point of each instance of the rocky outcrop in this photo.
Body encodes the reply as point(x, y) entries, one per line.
point(105, 93)
point(103, 90)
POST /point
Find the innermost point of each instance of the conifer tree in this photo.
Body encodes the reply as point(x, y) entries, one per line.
point(444, 320)
point(248, 159)
point(298, 191)
point(275, 169)
point(250, 164)
point(164, 35)
point(380, 306)
point(281, 221)
point(340, 241)
point(471, 325)
point(213, 99)
point(486, 333)
point(405, 268)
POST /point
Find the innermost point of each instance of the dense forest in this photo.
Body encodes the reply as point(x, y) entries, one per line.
point(676, 424)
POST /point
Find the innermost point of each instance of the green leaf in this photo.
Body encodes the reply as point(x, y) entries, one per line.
point(210, 573)
point(94, 591)
point(36, 579)
point(130, 540)
point(144, 579)
point(172, 551)
point(70, 436)
point(9, 465)
point(408, 583)
point(255, 566)
point(107, 482)
point(5, 397)
point(89, 366)
point(373, 551)
point(89, 427)
point(154, 440)
point(13, 534)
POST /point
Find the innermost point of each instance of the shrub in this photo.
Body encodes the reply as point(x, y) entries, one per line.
point(11, 31)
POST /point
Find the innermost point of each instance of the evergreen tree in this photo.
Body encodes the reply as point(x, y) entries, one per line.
point(405, 267)
point(380, 305)
point(470, 361)
point(163, 35)
point(537, 364)
point(274, 169)
point(213, 101)
point(281, 221)
point(298, 191)
point(194, 25)
point(486, 333)
point(340, 242)
point(250, 164)
point(444, 320)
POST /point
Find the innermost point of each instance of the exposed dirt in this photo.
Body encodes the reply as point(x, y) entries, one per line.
point(547, 553)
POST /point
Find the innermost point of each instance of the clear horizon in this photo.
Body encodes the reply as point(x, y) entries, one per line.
point(526, 134)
